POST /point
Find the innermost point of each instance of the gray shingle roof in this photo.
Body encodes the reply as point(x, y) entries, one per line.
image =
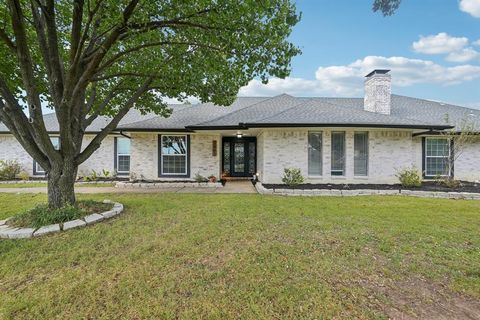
point(285, 110)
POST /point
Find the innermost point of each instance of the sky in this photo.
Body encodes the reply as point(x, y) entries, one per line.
point(431, 46)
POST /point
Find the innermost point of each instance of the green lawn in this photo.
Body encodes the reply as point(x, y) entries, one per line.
point(216, 256)
point(44, 184)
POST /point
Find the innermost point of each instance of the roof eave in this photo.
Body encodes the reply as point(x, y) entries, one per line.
point(153, 130)
point(346, 125)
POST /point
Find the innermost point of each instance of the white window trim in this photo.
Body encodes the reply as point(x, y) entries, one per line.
point(118, 162)
point(316, 176)
point(175, 155)
point(441, 157)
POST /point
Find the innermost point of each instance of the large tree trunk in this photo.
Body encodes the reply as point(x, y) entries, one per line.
point(61, 184)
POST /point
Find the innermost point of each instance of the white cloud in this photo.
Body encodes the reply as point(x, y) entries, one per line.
point(439, 43)
point(464, 55)
point(476, 43)
point(471, 7)
point(347, 80)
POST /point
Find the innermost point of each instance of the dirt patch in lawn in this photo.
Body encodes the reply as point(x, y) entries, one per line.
point(418, 298)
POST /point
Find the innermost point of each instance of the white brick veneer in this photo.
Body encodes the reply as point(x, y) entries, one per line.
point(388, 151)
point(10, 149)
point(144, 155)
point(378, 93)
point(467, 165)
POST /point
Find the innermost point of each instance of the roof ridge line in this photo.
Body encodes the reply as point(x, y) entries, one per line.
point(276, 114)
point(225, 115)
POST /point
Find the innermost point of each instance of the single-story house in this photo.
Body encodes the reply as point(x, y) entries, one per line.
point(331, 140)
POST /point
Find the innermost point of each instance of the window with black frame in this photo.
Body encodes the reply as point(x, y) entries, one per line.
point(123, 155)
point(173, 155)
point(315, 159)
point(360, 165)
point(437, 157)
point(338, 154)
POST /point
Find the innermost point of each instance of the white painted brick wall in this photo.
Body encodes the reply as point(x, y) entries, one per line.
point(144, 155)
point(260, 155)
point(102, 158)
point(388, 151)
point(467, 165)
point(378, 93)
point(202, 160)
point(11, 149)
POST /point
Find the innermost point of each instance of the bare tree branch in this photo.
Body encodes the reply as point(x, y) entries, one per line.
point(28, 77)
point(95, 143)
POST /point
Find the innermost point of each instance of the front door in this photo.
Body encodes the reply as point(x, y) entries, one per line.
point(239, 156)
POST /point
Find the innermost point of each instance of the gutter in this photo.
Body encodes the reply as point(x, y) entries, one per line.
point(346, 125)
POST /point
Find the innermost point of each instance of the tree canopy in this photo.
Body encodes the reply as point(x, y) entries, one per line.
point(88, 58)
point(387, 7)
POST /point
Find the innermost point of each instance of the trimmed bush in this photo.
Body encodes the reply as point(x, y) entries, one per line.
point(292, 176)
point(9, 169)
point(410, 177)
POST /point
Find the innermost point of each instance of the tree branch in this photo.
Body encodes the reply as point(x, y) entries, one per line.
point(95, 143)
point(9, 42)
point(40, 135)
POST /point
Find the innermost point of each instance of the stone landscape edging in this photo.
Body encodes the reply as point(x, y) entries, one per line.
point(366, 192)
point(148, 185)
point(46, 181)
point(8, 232)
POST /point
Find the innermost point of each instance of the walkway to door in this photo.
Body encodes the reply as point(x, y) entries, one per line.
point(237, 186)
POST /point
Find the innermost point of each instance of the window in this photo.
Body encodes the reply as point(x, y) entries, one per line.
point(173, 155)
point(437, 157)
point(37, 169)
point(360, 165)
point(338, 154)
point(122, 157)
point(315, 159)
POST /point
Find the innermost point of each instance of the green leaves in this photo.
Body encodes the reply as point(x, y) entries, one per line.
point(207, 49)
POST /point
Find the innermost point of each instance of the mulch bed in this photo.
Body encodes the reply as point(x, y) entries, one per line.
point(426, 186)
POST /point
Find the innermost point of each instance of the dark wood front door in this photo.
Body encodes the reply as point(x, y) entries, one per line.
point(239, 156)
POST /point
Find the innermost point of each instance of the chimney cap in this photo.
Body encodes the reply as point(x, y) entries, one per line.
point(377, 71)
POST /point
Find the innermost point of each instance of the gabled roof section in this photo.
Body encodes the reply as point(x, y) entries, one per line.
point(191, 115)
point(287, 111)
point(260, 110)
point(317, 112)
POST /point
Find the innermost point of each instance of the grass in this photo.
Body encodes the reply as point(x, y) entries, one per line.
point(42, 215)
point(216, 256)
point(44, 185)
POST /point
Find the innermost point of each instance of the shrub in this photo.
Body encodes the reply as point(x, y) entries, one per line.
point(105, 173)
point(9, 169)
point(410, 177)
point(448, 182)
point(92, 177)
point(292, 176)
point(199, 178)
point(24, 176)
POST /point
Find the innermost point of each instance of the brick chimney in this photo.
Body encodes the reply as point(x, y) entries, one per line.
point(378, 91)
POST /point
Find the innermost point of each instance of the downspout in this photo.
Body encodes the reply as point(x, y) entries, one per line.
point(124, 135)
